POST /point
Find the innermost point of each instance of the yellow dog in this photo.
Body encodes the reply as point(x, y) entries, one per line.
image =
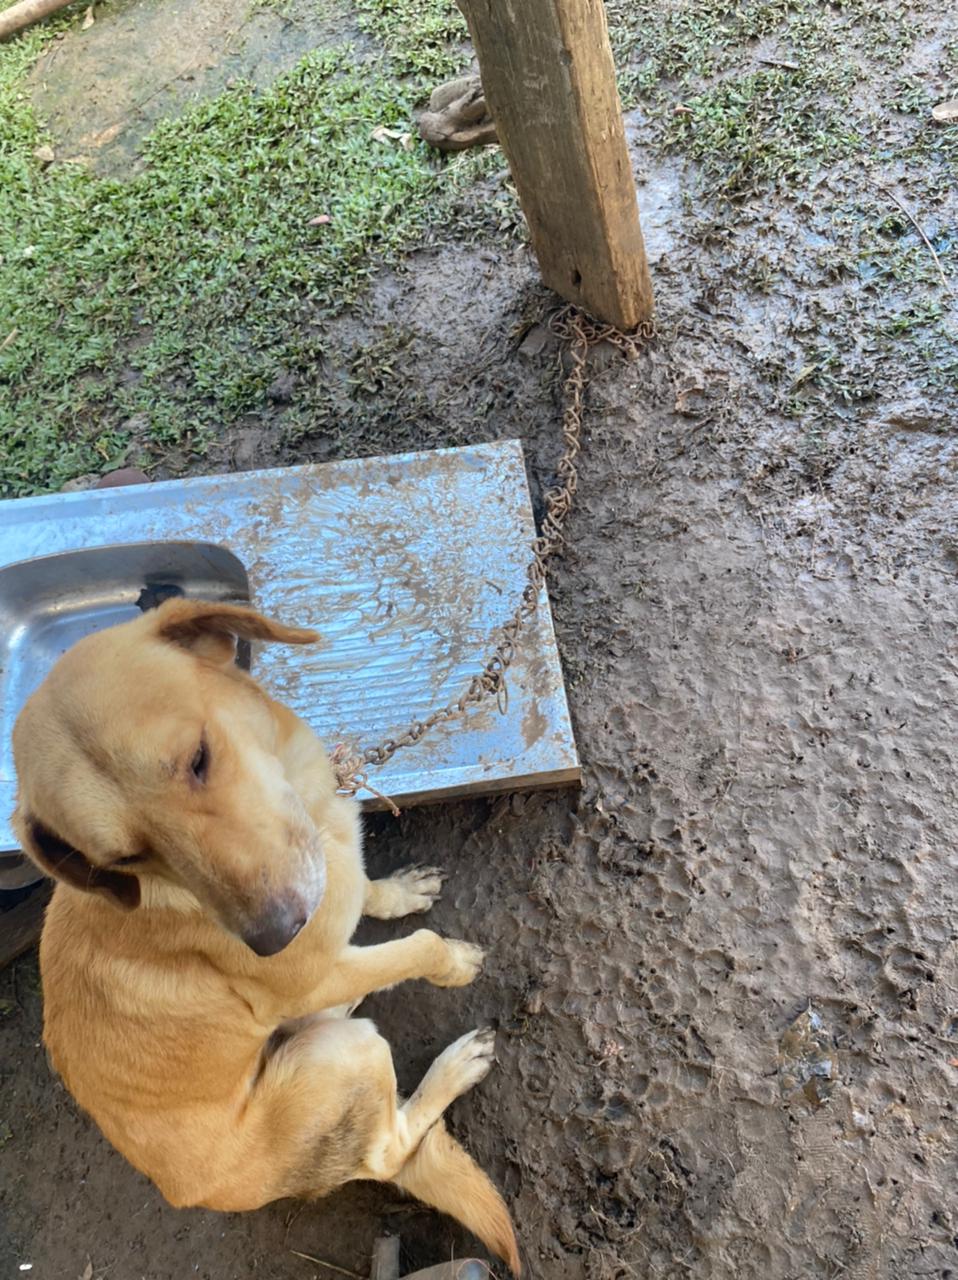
point(197, 968)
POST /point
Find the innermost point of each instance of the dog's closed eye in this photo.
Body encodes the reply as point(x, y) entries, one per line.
point(130, 860)
point(200, 764)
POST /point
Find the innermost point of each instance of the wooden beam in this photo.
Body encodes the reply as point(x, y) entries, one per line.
point(549, 80)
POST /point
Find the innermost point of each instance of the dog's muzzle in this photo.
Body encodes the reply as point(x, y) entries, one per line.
point(286, 913)
point(277, 926)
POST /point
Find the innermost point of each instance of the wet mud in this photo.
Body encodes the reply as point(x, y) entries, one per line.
point(725, 973)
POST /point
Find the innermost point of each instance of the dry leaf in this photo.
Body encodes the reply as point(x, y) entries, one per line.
point(320, 220)
point(946, 112)
point(87, 1272)
point(88, 19)
point(44, 154)
point(382, 134)
point(690, 401)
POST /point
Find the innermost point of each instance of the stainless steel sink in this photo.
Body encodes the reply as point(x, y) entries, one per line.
point(48, 604)
point(405, 566)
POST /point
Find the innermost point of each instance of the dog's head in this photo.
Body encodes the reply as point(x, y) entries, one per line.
point(146, 754)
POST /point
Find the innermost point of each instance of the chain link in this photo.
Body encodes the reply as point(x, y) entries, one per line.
point(578, 332)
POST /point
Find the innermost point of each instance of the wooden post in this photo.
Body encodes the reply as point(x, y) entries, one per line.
point(549, 81)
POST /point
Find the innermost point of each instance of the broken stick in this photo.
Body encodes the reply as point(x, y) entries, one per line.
point(26, 13)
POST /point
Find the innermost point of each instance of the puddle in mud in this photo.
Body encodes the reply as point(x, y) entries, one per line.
point(806, 1060)
point(659, 188)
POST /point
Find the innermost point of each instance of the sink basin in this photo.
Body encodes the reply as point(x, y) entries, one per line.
point(48, 604)
point(405, 566)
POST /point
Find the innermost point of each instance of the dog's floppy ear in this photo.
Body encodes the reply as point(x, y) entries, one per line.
point(61, 861)
point(211, 630)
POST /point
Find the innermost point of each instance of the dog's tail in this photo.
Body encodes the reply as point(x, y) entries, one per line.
point(442, 1175)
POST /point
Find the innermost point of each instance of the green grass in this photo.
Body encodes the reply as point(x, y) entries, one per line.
point(424, 37)
point(171, 301)
point(149, 314)
point(761, 129)
point(797, 119)
point(152, 313)
point(682, 42)
point(760, 92)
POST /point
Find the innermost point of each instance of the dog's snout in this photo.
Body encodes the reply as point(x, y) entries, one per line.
point(276, 928)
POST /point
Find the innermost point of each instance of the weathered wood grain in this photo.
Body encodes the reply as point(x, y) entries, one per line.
point(549, 80)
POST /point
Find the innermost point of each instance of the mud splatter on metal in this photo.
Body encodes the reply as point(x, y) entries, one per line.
point(406, 565)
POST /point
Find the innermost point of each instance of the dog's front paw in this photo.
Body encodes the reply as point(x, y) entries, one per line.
point(415, 889)
point(421, 887)
point(408, 892)
point(462, 963)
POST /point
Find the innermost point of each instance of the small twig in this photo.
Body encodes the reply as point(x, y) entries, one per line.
point(914, 222)
point(780, 62)
point(8, 339)
point(330, 1266)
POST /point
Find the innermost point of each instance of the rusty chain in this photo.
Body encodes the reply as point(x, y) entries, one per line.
point(578, 332)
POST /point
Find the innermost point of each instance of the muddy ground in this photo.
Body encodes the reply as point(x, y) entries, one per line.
point(757, 616)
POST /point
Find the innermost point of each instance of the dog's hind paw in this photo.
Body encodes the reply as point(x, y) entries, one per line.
point(463, 962)
point(465, 1062)
point(407, 892)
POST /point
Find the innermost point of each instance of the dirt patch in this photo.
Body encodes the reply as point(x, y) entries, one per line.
point(102, 90)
